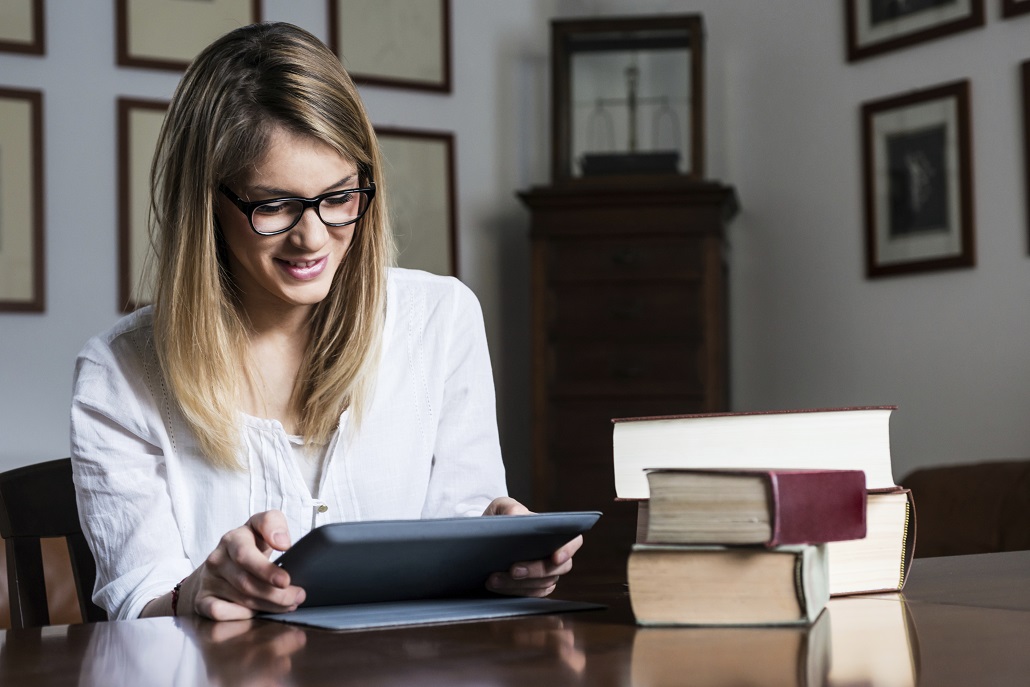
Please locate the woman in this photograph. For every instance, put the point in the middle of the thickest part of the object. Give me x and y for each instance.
(285, 377)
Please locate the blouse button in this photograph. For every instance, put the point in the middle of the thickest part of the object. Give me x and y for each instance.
(322, 508)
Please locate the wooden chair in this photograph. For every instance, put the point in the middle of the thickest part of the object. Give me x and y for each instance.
(38, 501)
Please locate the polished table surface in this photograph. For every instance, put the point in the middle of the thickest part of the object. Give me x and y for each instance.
(963, 620)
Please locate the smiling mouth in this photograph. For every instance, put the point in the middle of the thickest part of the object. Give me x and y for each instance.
(303, 269)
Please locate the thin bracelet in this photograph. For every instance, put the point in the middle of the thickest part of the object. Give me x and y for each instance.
(175, 597)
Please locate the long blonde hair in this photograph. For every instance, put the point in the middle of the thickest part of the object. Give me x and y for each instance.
(217, 128)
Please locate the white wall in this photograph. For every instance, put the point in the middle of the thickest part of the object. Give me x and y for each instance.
(807, 328)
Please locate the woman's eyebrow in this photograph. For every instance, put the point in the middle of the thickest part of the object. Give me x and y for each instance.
(346, 182)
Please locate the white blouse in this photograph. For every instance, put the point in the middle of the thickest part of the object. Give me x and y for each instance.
(153, 509)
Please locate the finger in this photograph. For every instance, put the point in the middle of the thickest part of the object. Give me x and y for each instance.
(538, 569)
(566, 552)
(271, 529)
(242, 553)
(535, 587)
(505, 505)
(275, 601)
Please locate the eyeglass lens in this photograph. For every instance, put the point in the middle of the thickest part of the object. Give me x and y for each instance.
(340, 208)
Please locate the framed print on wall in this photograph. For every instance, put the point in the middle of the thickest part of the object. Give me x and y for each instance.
(168, 34)
(1026, 142)
(139, 123)
(395, 43)
(917, 161)
(878, 26)
(22, 26)
(1012, 8)
(22, 279)
(421, 195)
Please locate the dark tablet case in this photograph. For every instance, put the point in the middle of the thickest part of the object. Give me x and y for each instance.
(397, 560)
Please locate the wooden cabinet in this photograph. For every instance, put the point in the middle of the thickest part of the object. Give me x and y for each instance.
(629, 318)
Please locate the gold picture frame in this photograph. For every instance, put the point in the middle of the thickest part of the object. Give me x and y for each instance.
(22, 249)
(393, 43)
(139, 122)
(168, 34)
(421, 196)
(23, 26)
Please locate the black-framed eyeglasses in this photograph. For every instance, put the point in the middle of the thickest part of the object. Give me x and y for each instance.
(277, 215)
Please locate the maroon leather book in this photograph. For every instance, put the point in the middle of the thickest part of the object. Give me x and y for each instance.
(773, 507)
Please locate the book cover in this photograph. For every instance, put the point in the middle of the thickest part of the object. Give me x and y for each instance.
(839, 438)
(694, 585)
(770, 507)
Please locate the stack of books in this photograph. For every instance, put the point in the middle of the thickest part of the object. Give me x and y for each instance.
(854, 438)
(741, 547)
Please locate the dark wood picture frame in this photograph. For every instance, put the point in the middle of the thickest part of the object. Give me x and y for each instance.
(1014, 8)
(34, 41)
(917, 26)
(25, 136)
(1025, 81)
(562, 32)
(168, 61)
(133, 201)
(918, 185)
(408, 175)
(386, 11)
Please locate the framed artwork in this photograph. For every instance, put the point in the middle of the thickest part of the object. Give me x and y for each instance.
(139, 123)
(1026, 141)
(395, 43)
(1012, 8)
(918, 181)
(878, 26)
(22, 26)
(22, 278)
(421, 195)
(168, 34)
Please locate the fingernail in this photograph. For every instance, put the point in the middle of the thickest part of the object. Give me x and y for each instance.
(562, 557)
(518, 572)
(281, 580)
(280, 540)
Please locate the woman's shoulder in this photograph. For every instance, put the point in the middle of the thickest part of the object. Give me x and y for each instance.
(133, 332)
(432, 289)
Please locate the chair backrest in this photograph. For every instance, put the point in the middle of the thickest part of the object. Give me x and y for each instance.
(38, 501)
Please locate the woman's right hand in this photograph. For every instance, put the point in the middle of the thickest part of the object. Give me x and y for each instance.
(237, 580)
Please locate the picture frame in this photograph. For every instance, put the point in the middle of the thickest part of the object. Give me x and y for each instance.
(393, 43)
(421, 193)
(139, 122)
(168, 34)
(23, 26)
(918, 187)
(1014, 8)
(22, 246)
(1025, 79)
(877, 26)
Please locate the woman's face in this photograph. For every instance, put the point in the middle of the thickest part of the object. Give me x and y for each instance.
(294, 269)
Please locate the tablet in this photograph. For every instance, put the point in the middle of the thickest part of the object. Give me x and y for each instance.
(395, 560)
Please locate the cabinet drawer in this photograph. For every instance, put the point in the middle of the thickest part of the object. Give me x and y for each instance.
(622, 258)
(613, 310)
(626, 367)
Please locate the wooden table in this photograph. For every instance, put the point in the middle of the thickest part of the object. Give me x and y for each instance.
(963, 620)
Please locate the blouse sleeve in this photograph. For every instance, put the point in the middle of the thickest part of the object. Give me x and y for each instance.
(117, 450)
(467, 470)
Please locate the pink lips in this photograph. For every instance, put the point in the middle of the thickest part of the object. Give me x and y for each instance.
(303, 270)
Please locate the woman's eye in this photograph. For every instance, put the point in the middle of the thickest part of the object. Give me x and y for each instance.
(272, 208)
(340, 200)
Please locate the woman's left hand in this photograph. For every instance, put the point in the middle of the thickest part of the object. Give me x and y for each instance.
(530, 578)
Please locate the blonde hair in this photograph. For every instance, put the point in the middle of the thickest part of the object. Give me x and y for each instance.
(218, 126)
